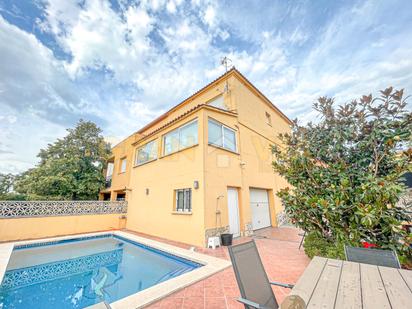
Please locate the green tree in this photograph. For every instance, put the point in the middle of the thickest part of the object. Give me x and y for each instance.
(345, 172)
(6, 183)
(71, 168)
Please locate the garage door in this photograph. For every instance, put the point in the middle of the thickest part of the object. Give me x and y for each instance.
(259, 204)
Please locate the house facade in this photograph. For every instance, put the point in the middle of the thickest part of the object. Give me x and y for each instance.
(203, 167)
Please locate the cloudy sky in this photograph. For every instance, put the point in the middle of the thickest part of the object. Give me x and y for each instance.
(121, 63)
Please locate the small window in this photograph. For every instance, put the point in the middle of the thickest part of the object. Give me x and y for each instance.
(218, 102)
(109, 171)
(184, 200)
(121, 197)
(146, 153)
(221, 136)
(180, 138)
(123, 163)
(268, 118)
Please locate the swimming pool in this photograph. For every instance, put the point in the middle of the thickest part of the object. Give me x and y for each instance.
(80, 272)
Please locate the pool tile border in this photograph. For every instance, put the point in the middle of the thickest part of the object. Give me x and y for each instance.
(211, 265)
(6, 248)
(148, 296)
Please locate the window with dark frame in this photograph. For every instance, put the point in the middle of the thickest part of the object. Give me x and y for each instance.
(121, 197)
(183, 200)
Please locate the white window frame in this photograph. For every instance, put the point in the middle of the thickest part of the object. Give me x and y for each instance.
(186, 208)
(179, 130)
(222, 126)
(141, 147)
(109, 170)
(124, 159)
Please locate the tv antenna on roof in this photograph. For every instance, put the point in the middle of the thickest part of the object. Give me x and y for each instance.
(226, 62)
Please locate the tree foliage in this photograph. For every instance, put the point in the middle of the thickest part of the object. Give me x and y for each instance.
(345, 170)
(70, 168)
(6, 183)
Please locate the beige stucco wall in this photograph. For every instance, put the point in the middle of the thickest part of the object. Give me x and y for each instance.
(222, 170)
(32, 228)
(153, 213)
(215, 169)
(251, 167)
(120, 181)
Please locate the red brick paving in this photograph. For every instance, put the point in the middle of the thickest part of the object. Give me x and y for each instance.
(283, 261)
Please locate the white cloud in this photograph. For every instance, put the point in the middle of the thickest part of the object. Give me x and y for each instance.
(128, 65)
(22, 134)
(31, 79)
(98, 37)
(210, 15)
(171, 7)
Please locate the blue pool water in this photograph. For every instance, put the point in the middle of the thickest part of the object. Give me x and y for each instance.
(81, 272)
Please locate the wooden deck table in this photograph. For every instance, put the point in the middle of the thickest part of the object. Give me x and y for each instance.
(328, 283)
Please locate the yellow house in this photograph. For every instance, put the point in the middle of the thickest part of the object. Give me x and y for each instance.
(119, 169)
(203, 167)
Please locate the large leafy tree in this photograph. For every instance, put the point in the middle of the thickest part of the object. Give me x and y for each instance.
(70, 168)
(6, 183)
(345, 171)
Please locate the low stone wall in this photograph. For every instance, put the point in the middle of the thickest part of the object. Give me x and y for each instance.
(38, 219)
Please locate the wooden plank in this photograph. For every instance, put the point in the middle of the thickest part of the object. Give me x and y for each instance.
(400, 296)
(373, 291)
(349, 291)
(307, 282)
(325, 292)
(407, 276)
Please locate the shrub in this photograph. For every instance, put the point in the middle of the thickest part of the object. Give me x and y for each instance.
(316, 245)
(345, 173)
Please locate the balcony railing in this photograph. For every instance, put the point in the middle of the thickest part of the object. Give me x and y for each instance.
(25, 209)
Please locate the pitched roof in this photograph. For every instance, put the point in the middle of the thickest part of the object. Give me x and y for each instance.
(232, 71)
(218, 79)
(181, 116)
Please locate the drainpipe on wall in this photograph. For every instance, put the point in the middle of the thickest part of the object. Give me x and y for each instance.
(217, 213)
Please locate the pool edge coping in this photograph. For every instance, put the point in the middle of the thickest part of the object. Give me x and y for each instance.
(5, 252)
(211, 265)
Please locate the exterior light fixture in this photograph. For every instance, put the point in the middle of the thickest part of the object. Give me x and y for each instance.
(147, 191)
(196, 184)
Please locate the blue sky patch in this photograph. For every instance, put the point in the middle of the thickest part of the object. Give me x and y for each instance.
(122, 63)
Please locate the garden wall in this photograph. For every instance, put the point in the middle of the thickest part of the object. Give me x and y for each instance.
(38, 219)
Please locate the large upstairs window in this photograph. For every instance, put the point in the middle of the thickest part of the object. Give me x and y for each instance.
(146, 153)
(221, 136)
(180, 138)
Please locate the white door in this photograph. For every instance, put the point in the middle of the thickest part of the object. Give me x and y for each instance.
(259, 204)
(233, 211)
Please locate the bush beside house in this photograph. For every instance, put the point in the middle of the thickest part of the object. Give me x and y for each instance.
(345, 174)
